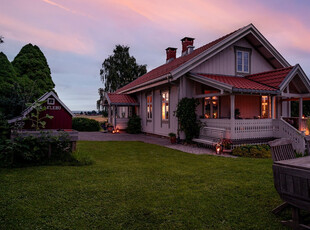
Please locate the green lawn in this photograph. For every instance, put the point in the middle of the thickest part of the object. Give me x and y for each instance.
(133, 185)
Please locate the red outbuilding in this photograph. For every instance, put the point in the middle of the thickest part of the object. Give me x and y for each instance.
(62, 116)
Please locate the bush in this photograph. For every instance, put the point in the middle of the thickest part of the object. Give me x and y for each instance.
(37, 150)
(134, 125)
(186, 114)
(85, 124)
(255, 151)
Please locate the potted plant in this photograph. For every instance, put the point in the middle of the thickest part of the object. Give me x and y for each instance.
(173, 138)
(110, 127)
(227, 144)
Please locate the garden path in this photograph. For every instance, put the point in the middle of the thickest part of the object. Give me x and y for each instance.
(100, 136)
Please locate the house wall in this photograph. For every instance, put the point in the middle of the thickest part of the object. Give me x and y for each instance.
(224, 62)
(249, 106)
(156, 125)
(224, 106)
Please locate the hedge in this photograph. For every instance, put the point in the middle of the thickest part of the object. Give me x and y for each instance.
(255, 151)
(85, 124)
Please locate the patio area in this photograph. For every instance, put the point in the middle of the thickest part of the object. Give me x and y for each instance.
(162, 141)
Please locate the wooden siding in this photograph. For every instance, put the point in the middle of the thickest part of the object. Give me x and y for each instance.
(248, 105)
(156, 125)
(62, 119)
(224, 107)
(224, 62)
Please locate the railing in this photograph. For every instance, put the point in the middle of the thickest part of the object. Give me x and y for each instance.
(285, 130)
(252, 129)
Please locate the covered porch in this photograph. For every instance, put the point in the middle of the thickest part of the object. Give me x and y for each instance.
(120, 108)
(247, 112)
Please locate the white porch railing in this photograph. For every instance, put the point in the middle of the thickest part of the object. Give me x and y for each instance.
(254, 129)
(285, 130)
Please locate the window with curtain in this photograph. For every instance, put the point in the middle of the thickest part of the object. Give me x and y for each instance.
(211, 107)
(149, 107)
(165, 106)
(243, 61)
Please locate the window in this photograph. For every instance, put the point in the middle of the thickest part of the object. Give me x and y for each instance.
(51, 101)
(211, 107)
(265, 107)
(242, 61)
(165, 106)
(149, 107)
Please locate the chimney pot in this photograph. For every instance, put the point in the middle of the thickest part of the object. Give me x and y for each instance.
(171, 54)
(186, 41)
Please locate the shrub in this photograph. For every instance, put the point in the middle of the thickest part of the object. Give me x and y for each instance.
(186, 114)
(134, 125)
(37, 150)
(85, 124)
(255, 151)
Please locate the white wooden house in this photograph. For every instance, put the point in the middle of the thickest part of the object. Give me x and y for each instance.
(240, 71)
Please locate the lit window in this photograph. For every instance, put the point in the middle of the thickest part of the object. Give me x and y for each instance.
(242, 61)
(149, 107)
(165, 106)
(211, 107)
(265, 107)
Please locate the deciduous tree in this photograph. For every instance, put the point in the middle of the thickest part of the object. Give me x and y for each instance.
(120, 69)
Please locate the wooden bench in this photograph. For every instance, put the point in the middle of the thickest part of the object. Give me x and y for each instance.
(210, 135)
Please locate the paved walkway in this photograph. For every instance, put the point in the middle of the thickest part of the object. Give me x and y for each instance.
(99, 136)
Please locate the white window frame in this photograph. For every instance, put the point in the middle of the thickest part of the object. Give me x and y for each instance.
(50, 101)
(149, 107)
(243, 52)
(165, 106)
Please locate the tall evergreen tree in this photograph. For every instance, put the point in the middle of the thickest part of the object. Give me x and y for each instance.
(7, 81)
(120, 69)
(33, 71)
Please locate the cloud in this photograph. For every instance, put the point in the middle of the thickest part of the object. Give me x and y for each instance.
(67, 9)
(21, 31)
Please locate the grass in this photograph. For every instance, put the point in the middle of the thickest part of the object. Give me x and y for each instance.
(133, 185)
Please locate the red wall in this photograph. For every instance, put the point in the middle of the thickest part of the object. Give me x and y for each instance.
(249, 106)
(62, 119)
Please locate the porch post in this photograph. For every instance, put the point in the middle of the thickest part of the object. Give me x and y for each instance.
(109, 114)
(273, 107)
(300, 113)
(232, 116)
(232, 107)
(115, 108)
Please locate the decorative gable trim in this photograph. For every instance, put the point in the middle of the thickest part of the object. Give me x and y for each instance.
(230, 40)
(296, 70)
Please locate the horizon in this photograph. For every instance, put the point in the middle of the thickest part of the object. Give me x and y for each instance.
(77, 36)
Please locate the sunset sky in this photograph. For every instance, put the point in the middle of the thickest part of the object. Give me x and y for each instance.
(77, 35)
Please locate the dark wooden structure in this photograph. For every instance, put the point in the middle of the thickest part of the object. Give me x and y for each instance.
(292, 182)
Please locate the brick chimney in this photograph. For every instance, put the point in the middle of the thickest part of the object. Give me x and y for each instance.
(187, 41)
(171, 54)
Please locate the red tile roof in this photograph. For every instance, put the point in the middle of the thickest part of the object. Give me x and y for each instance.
(271, 78)
(239, 82)
(121, 99)
(168, 67)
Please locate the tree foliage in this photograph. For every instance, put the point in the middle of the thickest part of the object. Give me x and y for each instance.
(32, 69)
(187, 118)
(120, 69)
(1, 39)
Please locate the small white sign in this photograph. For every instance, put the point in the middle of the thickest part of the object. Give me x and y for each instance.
(53, 107)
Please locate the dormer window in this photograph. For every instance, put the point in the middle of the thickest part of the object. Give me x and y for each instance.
(242, 60)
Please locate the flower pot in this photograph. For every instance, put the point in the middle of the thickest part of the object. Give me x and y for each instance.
(110, 128)
(173, 140)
